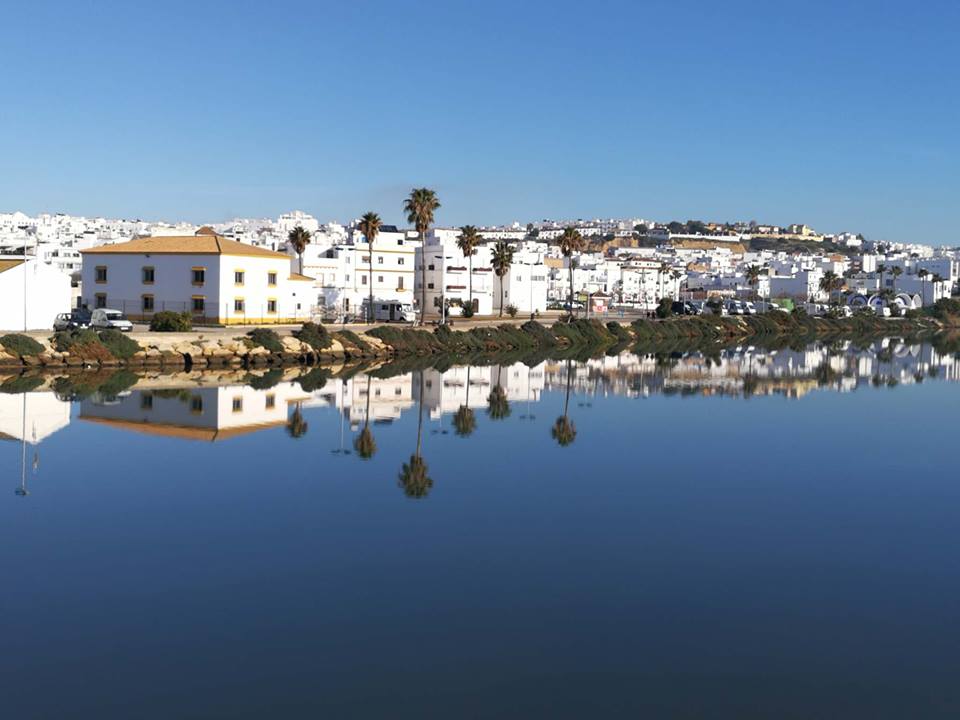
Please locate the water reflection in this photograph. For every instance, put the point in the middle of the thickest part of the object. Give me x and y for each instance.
(216, 407)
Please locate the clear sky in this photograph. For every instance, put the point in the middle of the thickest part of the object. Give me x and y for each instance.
(843, 115)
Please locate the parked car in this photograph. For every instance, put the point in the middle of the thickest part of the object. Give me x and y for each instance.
(78, 319)
(105, 319)
(685, 308)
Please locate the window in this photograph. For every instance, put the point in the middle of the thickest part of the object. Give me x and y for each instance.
(196, 404)
(148, 275)
(379, 259)
(400, 283)
(146, 401)
(238, 404)
(429, 286)
(272, 305)
(199, 275)
(270, 401)
(400, 261)
(363, 279)
(239, 305)
(238, 277)
(101, 274)
(365, 258)
(380, 279)
(100, 300)
(198, 304)
(271, 278)
(146, 303)
(430, 267)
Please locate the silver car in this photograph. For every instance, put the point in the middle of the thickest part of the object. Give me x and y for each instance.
(105, 319)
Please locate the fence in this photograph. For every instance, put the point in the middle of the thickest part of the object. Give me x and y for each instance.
(211, 314)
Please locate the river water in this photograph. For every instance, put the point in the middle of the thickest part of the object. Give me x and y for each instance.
(749, 534)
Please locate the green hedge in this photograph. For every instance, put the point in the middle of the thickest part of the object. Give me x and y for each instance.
(314, 335)
(169, 321)
(17, 344)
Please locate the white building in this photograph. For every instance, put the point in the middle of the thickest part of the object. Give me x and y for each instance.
(32, 294)
(218, 281)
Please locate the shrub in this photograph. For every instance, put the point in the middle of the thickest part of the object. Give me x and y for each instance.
(169, 321)
(467, 311)
(348, 337)
(511, 310)
(265, 338)
(118, 344)
(20, 384)
(665, 308)
(314, 380)
(314, 335)
(16, 344)
(266, 381)
(83, 344)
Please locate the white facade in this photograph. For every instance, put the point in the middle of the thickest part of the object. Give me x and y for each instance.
(32, 294)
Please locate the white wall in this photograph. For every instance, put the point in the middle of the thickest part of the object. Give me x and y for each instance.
(48, 294)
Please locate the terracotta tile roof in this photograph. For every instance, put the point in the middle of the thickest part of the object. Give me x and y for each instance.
(184, 245)
(298, 276)
(9, 264)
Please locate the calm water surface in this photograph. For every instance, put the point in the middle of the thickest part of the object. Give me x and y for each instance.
(750, 535)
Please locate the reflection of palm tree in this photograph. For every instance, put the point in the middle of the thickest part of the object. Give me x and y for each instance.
(364, 444)
(498, 408)
(464, 420)
(296, 425)
(414, 478)
(563, 430)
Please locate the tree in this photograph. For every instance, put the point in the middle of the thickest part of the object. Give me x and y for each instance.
(364, 444)
(563, 430)
(296, 425)
(664, 270)
(830, 282)
(467, 241)
(881, 269)
(414, 476)
(298, 238)
(570, 242)
(753, 278)
(897, 271)
(370, 227)
(501, 261)
(420, 208)
(640, 229)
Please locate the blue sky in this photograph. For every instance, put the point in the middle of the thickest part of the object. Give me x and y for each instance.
(843, 115)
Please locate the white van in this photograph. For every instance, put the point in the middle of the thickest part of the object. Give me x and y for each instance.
(105, 319)
(390, 311)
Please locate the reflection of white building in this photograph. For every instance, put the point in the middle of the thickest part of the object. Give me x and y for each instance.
(199, 413)
(32, 416)
(444, 393)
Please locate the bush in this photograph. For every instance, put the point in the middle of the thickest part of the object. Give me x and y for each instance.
(83, 344)
(265, 338)
(511, 310)
(467, 311)
(266, 381)
(314, 335)
(348, 337)
(20, 384)
(118, 344)
(169, 321)
(16, 344)
(665, 308)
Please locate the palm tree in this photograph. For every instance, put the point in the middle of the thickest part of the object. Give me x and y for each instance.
(464, 420)
(298, 240)
(676, 275)
(364, 444)
(922, 273)
(570, 242)
(830, 282)
(296, 425)
(881, 268)
(420, 208)
(897, 271)
(414, 477)
(563, 430)
(467, 241)
(753, 278)
(370, 227)
(664, 270)
(501, 261)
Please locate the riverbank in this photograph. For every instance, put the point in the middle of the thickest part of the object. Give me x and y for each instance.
(316, 345)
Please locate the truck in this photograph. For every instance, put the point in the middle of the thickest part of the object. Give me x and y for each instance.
(390, 311)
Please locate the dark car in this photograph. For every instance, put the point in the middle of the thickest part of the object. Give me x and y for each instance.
(684, 308)
(78, 319)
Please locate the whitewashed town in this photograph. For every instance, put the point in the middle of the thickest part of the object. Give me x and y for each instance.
(295, 267)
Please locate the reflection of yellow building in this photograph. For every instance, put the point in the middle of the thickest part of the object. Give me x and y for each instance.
(202, 413)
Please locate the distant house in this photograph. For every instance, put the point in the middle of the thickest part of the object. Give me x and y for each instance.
(218, 281)
(35, 306)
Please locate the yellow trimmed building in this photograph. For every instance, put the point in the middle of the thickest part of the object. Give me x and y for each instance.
(217, 280)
